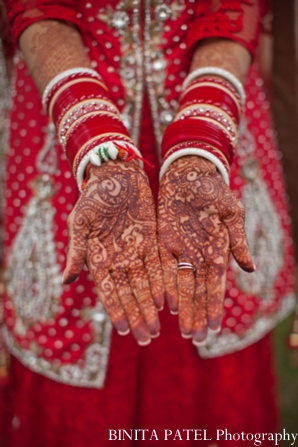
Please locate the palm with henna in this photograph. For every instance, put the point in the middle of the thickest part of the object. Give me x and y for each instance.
(200, 221)
(113, 228)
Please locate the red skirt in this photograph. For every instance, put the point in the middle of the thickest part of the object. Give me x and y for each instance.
(175, 390)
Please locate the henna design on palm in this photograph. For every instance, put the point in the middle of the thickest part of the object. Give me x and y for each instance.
(200, 221)
(113, 228)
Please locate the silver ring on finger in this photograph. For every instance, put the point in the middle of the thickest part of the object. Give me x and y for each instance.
(186, 265)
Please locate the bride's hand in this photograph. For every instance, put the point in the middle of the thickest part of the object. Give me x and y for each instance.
(113, 229)
(200, 221)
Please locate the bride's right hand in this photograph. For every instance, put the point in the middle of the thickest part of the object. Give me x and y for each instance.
(113, 228)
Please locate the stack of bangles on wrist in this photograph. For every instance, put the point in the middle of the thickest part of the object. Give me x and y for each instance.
(207, 120)
(88, 124)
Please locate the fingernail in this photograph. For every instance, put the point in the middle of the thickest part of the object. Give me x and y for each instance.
(174, 312)
(124, 332)
(255, 268)
(186, 335)
(144, 343)
(62, 278)
(199, 343)
(71, 277)
(160, 309)
(215, 331)
(155, 335)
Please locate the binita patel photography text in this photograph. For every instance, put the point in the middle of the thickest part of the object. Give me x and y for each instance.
(200, 434)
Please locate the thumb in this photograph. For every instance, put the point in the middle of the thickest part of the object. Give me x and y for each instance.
(78, 233)
(238, 240)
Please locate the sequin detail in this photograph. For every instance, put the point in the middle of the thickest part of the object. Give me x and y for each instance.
(33, 274)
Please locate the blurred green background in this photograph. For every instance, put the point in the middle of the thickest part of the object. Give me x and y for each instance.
(287, 367)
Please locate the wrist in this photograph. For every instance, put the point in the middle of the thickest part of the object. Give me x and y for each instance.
(207, 120)
(201, 154)
(88, 124)
(195, 160)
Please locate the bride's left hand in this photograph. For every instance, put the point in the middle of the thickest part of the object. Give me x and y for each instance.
(200, 221)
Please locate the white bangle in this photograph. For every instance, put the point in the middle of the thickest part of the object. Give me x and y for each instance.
(92, 157)
(64, 74)
(201, 153)
(220, 72)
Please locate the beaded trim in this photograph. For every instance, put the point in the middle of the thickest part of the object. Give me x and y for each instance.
(218, 86)
(66, 86)
(220, 72)
(65, 74)
(82, 109)
(83, 119)
(208, 111)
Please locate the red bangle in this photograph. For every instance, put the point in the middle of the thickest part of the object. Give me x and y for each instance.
(81, 123)
(67, 79)
(78, 92)
(191, 129)
(76, 101)
(216, 81)
(211, 95)
(209, 112)
(88, 129)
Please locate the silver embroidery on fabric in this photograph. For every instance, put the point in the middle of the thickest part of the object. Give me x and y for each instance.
(33, 274)
(228, 343)
(143, 63)
(127, 23)
(93, 372)
(262, 224)
(5, 95)
(155, 64)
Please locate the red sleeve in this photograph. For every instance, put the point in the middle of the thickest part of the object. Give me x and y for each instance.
(22, 13)
(238, 20)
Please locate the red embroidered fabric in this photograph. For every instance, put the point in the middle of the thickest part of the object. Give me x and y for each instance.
(22, 13)
(230, 19)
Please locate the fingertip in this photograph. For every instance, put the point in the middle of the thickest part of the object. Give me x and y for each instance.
(154, 326)
(199, 343)
(155, 335)
(171, 300)
(121, 325)
(69, 278)
(186, 336)
(122, 333)
(249, 268)
(199, 335)
(144, 343)
(159, 301)
(245, 262)
(214, 324)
